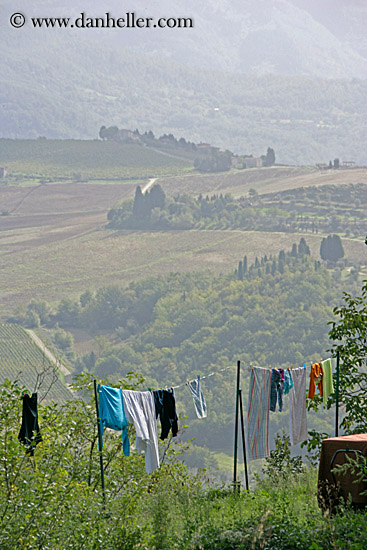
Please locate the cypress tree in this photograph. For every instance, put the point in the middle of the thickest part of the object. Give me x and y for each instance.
(157, 197)
(245, 264)
(331, 248)
(303, 249)
(139, 204)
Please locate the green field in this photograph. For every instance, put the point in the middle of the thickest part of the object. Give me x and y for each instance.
(21, 359)
(88, 160)
(65, 268)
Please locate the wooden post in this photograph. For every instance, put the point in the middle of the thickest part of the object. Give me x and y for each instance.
(235, 484)
(337, 395)
(243, 440)
(100, 444)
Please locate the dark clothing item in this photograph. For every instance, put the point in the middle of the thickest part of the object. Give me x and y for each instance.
(165, 408)
(30, 433)
(276, 390)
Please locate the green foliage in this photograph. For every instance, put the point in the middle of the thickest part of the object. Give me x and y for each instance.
(63, 339)
(314, 442)
(54, 499)
(331, 248)
(348, 333)
(280, 465)
(302, 209)
(267, 265)
(270, 157)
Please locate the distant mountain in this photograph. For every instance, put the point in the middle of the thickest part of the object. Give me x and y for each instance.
(346, 19)
(63, 83)
(288, 37)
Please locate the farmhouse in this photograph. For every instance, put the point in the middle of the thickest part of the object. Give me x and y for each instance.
(127, 135)
(252, 162)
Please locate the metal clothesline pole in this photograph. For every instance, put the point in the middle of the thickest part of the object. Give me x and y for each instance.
(243, 440)
(235, 484)
(337, 395)
(100, 444)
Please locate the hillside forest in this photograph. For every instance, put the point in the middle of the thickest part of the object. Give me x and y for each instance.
(168, 329)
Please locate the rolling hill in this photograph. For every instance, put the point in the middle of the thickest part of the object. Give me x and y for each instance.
(54, 243)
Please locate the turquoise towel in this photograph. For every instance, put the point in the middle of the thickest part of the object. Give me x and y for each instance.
(112, 414)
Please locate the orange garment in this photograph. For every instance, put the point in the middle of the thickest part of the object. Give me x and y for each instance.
(315, 378)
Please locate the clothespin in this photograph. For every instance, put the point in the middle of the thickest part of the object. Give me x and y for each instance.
(291, 367)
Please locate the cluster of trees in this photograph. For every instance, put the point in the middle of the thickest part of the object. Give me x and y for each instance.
(185, 212)
(223, 211)
(270, 265)
(326, 209)
(113, 133)
(140, 213)
(144, 204)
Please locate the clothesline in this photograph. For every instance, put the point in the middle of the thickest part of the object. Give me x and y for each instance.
(202, 377)
(226, 368)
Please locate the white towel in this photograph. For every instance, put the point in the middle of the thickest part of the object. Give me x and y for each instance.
(297, 407)
(140, 410)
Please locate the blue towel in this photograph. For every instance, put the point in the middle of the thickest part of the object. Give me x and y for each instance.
(112, 414)
(288, 382)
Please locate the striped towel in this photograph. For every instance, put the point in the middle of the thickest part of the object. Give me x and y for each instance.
(297, 407)
(258, 412)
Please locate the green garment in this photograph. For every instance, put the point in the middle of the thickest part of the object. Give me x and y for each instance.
(327, 380)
